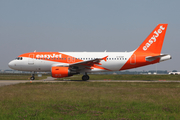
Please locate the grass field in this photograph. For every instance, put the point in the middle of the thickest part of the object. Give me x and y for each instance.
(90, 100)
(126, 77)
(20, 77)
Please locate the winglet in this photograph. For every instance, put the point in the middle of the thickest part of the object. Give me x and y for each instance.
(105, 58)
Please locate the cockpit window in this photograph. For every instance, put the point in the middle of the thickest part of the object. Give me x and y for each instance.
(19, 58)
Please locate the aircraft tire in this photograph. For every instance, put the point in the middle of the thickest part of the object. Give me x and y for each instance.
(85, 77)
(32, 78)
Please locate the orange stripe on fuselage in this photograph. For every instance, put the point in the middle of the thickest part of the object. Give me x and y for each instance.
(52, 56)
(140, 60)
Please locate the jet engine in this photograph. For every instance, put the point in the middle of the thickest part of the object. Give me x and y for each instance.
(60, 72)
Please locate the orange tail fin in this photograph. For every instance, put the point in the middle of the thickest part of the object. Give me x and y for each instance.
(153, 43)
(149, 52)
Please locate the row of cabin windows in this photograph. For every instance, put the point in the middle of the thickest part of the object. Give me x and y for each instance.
(79, 58)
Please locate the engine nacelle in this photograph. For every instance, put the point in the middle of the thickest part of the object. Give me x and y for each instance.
(60, 72)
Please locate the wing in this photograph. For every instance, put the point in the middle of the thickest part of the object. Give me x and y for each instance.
(78, 66)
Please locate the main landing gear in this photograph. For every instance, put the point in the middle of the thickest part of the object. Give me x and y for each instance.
(85, 77)
(32, 77)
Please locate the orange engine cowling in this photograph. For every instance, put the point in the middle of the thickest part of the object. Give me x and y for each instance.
(59, 72)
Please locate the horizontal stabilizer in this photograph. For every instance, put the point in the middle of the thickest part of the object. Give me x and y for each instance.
(162, 57)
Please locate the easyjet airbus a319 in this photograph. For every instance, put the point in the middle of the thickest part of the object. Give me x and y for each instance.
(64, 64)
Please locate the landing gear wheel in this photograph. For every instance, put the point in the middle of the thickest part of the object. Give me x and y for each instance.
(32, 78)
(85, 77)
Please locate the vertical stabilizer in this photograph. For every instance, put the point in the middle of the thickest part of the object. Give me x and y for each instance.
(153, 43)
(149, 52)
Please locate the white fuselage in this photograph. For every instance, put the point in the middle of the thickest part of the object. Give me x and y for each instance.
(115, 61)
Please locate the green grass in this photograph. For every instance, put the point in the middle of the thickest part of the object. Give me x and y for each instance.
(126, 77)
(20, 77)
(90, 101)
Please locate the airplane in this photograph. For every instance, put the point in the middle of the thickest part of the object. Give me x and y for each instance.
(65, 64)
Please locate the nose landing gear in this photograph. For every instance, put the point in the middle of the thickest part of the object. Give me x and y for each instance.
(32, 77)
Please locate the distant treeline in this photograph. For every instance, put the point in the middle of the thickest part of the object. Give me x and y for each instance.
(136, 72)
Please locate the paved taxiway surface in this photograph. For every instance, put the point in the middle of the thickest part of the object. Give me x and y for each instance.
(50, 79)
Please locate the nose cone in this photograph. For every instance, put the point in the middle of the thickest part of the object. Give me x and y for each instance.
(11, 65)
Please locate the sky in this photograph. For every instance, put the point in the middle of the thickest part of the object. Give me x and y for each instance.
(87, 25)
